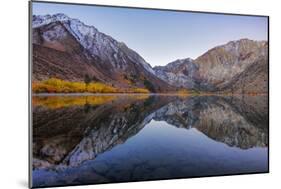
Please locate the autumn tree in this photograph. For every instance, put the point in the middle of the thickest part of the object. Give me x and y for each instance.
(87, 80)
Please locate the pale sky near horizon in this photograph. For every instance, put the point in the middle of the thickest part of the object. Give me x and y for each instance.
(161, 37)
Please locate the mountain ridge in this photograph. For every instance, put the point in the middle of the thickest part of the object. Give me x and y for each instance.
(216, 69)
(118, 64)
(85, 50)
(82, 31)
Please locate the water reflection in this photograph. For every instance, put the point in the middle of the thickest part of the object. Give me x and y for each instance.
(97, 139)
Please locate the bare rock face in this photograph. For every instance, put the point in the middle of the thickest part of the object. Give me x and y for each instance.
(180, 73)
(220, 64)
(253, 80)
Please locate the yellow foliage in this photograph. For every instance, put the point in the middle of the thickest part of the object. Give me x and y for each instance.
(55, 102)
(100, 88)
(54, 85)
(140, 90)
(134, 90)
(185, 92)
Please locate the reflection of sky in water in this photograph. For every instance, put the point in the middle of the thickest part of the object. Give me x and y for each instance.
(161, 150)
(187, 151)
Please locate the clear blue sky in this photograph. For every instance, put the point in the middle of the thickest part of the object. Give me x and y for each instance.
(163, 36)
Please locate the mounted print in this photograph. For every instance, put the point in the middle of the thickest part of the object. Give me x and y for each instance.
(120, 94)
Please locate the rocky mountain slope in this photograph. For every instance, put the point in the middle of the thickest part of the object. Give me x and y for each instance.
(179, 73)
(220, 65)
(254, 79)
(238, 66)
(66, 48)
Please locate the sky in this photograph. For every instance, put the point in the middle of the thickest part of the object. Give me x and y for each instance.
(159, 36)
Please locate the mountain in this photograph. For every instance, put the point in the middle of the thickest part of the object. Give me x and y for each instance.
(238, 66)
(254, 79)
(68, 49)
(179, 73)
(220, 65)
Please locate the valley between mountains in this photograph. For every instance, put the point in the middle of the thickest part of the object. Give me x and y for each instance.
(71, 57)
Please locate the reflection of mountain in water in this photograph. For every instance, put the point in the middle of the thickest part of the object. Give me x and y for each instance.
(67, 136)
(72, 134)
(225, 119)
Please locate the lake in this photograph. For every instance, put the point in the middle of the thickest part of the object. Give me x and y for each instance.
(120, 138)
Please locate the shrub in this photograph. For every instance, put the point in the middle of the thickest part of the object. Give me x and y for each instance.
(54, 85)
(100, 88)
(140, 90)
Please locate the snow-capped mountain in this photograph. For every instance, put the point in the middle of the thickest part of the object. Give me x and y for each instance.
(109, 57)
(97, 43)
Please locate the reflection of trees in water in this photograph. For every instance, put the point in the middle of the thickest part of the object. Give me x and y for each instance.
(76, 133)
(69, 135)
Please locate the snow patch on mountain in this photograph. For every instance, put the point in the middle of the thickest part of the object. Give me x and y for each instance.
(97, 43)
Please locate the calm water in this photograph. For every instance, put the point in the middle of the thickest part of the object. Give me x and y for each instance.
(100, 139)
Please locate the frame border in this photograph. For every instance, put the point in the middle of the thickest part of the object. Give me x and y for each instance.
(30, 66)
(146, 8)
(30, 118)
